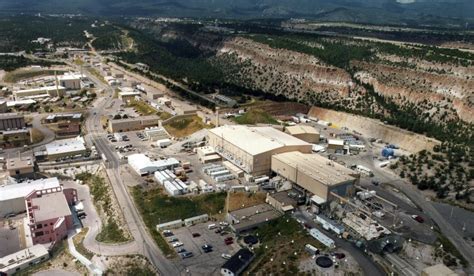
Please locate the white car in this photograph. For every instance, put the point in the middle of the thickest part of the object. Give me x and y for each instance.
(177, 244)
(226, 256)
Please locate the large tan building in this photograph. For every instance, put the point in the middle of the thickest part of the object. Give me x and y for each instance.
(315, 174)
(251, 148)
(70, 81)
(132, 124)
(305, 133)
(20, 166)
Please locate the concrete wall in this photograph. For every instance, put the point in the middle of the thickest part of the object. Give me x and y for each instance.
(308, 137)
(66, 154)
(16, 205)
(407, 140)
(131, 125)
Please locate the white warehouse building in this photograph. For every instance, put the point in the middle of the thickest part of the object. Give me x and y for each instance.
(143, 165)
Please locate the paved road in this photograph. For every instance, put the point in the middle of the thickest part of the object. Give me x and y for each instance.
(368, 266)
(93, 222)
(429, 210)
(143, 239)
(86, 262)
(426, 208)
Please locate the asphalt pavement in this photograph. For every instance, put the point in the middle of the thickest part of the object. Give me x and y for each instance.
(142, 237)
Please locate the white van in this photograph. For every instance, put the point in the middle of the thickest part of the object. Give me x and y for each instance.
(211, 226)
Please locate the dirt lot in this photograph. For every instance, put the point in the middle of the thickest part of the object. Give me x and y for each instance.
(182, 127)
(239, 200)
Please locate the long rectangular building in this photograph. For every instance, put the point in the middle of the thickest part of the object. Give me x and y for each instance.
(47, 91)
(132, 124)
(12, 121)
(315, 174)
(251, 148)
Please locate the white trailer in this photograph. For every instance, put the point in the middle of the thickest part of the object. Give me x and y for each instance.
(163, 143)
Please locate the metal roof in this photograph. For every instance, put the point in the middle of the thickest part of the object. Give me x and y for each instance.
(316, 167)
(301, 129)
(256, 140)
(66, 145)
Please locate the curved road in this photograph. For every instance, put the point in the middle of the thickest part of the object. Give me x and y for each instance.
(429, 210)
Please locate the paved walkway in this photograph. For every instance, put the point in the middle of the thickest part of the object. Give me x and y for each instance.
(86, 262)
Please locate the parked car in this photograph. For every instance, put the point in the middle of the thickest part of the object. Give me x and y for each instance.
(9, 215)
(418, 218)
(207, 248)
(168, 233)
(196, 235)
(173, 239)
(229, 242)
(185, 255)
(229, 239)
(177, 244)
(181, 250)
(226, 256)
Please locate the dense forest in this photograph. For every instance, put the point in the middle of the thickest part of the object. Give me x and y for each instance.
(10, 63)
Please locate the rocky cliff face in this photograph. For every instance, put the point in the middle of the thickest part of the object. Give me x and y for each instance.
(439, 91)
(283, 72)
(440, 96)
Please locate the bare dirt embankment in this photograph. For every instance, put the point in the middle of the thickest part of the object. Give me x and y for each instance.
(406, 140)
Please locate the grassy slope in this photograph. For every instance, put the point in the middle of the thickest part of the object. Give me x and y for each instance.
(255, 116)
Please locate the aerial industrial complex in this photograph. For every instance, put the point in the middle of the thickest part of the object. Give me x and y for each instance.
(104, 160)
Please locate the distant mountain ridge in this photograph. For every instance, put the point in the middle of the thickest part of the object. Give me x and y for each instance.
(349, 10)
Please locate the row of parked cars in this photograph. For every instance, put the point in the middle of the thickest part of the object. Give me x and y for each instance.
(179, 246)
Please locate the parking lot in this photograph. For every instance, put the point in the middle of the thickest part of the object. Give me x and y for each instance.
(204, 263)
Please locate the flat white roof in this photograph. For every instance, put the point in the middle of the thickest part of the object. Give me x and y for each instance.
(338, 142)
(46, 210)
(21, 102)
(129, 93)
(66, 145)
(70, 77)
(256, 140)
(45, 88)
(140, 161)
(21, 190)
(23, 256)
